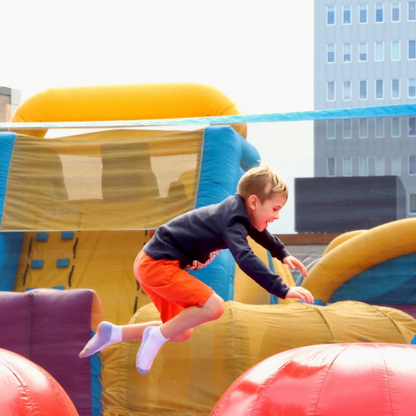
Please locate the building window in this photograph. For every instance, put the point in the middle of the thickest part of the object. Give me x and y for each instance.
(379, 127)
(362, 52)
(346, 90)
(396, 165)
(379, 95)
(330, 166)
(346, 52)
(363, 168)
(379, 51)
(330, 129)
(412, 203)
(412, 165)
(347, 166)
(330, 53)
(412, 49)
(412, 126)
(411, 87)
(379, 165)
(411, 11)
(362, 13)
(330, 15)
(395, 50)
(330, 91)
(346, 15)
(395, 127)
(346, 128)
(395, 88)
(395, 12)
(362, 93)
(379, 13)
(363, 128)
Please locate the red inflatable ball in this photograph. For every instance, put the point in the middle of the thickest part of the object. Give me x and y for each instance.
(363, 379)
(26, 389)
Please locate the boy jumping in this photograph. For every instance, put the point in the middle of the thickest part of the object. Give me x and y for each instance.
(191, 241)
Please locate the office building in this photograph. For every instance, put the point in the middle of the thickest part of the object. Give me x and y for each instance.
(9, 100)
(365, 56)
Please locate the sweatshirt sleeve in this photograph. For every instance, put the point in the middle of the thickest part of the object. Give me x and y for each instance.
(235, 236)
(269, 242)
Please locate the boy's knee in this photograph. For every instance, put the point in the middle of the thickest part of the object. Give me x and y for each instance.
(215, 306)
(221, 307)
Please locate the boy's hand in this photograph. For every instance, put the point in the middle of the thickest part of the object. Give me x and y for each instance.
(300, 293)
(293, 261)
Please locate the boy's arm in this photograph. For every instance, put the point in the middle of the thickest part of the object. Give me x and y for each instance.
(292, 262)
(235, 236)
(270, 242)
(277, 249)
(236, 239)
(299, 292)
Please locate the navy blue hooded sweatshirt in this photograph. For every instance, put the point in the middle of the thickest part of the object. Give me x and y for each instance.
(196, 237)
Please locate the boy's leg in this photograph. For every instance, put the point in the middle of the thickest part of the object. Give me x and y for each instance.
(182, 300)
(135, 331)
(152, 341)
(108, 333)
(190, 317)
(194, 316)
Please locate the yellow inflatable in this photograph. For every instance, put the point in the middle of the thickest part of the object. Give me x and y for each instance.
(89, 235)
(340, 239)
(189, 378)
(126, 102)
(358, 253)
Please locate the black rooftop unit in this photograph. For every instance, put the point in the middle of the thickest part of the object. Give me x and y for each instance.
(341, 204)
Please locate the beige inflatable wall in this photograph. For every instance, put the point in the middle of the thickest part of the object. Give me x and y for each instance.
(189, 378)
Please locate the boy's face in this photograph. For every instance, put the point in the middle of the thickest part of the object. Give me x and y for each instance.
(262, 214)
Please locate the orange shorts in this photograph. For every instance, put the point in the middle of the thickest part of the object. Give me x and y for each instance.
(169, 287)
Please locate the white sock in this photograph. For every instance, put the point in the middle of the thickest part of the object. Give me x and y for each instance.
(151, 344)
(107, 334)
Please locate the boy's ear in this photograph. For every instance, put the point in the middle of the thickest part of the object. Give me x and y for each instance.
(253, 201)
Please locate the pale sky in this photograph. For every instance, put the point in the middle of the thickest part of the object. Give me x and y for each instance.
(259, 53)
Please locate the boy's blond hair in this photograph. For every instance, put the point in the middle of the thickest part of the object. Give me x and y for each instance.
(255, 181)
